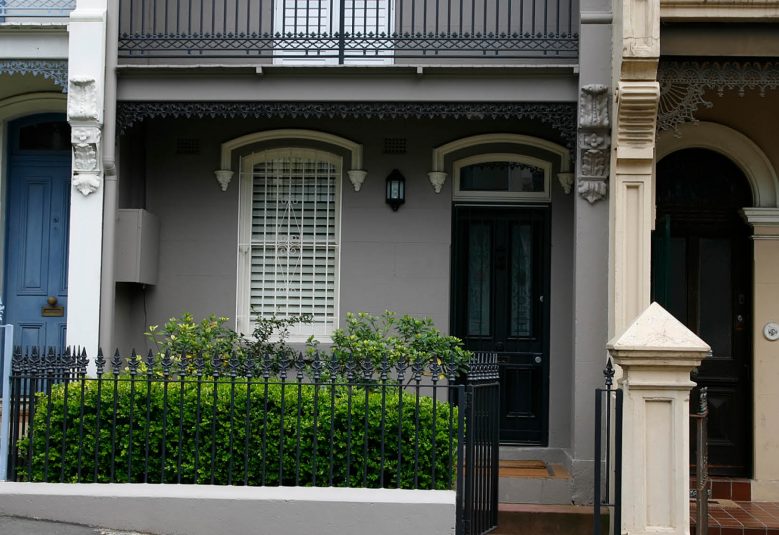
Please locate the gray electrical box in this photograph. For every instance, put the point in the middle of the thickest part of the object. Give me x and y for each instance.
(137, 246)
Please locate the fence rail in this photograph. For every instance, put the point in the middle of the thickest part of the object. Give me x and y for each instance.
(271, 420)
(702, 491)
(608, 453)
(344, 31)
(35, 8)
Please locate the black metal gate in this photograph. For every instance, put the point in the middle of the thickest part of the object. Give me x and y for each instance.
(608, 453)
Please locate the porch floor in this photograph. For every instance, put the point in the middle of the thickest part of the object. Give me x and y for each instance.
(728, 517)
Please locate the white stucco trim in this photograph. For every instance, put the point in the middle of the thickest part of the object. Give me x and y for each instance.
(440, 153)
(730, 143)
(12, 108)
(437, 174)
(356, 173)
(540, 196)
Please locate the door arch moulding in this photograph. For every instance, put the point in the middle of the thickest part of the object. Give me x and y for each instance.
(744, 152)
(356, 174)
(438, 174)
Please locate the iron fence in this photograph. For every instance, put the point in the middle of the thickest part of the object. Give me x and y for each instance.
(608, 454)
(702, 491)
(344, 31)
(23, 9)
(271, 420)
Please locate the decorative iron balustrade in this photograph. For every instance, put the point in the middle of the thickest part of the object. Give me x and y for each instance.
(271, 420)
(349, 31)
(35, 8)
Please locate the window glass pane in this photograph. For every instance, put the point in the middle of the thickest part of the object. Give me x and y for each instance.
(716, 313)
(521, 280)
(479, 245)
(53, 135)
(294, 246)
(502, 176)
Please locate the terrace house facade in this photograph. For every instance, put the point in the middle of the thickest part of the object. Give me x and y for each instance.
(447, 159)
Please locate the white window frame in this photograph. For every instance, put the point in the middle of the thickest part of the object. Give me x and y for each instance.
(244, 320)
(526, 196)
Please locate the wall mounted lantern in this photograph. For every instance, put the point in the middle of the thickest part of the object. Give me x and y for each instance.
(396, 189)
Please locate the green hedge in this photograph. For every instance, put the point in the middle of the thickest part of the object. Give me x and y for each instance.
(420, 428)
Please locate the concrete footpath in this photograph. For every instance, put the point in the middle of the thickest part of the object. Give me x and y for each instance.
(10, 525)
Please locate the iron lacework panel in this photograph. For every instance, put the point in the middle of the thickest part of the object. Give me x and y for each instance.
(350, 31)
(560, 116)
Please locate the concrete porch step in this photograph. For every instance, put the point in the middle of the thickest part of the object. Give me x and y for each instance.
(532, 519)
(533, 481)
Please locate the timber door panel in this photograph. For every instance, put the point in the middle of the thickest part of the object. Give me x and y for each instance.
(499, 280)
(37, 232)
(701, 273)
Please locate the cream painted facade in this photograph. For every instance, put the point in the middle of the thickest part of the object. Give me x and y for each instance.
(692, 106)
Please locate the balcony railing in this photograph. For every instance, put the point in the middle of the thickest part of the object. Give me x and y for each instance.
(349, 31)
(30, 9)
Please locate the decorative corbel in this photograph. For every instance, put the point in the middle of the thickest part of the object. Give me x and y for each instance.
(82, 99)
(357, 177)
(223, 176)
(594, 143)
(437, 180)
(566, 181)
(86, 163)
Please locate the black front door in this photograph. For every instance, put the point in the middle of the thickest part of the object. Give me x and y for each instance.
(701, 273)
(499, 303)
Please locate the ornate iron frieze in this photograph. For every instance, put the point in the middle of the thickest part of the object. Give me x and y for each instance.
(683, 85)
(559, 116)
(54, 70)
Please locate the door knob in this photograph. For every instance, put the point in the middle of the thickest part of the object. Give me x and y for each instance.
(499, 346)
(52, 300)
(537, 359)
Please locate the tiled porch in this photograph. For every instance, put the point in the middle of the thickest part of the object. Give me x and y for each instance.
(728, 517)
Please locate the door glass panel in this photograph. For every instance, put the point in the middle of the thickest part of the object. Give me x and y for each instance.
(716, 314)
(521, 280)
(502, 176)
(53, 135)
(479, 261)
(677, 280)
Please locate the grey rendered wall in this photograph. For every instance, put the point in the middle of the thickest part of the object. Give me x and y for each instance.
(389, 260)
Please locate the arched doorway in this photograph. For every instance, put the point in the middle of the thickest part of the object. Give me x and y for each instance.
(37, 222)
(701, 273)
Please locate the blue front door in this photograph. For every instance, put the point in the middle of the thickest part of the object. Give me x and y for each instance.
(36, 260)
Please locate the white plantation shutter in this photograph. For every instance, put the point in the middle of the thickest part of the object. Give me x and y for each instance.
(294, 237)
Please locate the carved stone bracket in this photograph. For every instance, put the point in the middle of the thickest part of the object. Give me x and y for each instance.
(560, 117)
(437, 179)
(357, 177)
(594, 143)
(223, 176)
(683, 85)
(82, 100)
(86, 164)
(54, 70)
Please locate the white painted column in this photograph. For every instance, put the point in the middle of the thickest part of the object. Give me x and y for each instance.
(86, 75)
(765, 225)
(657, 354)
